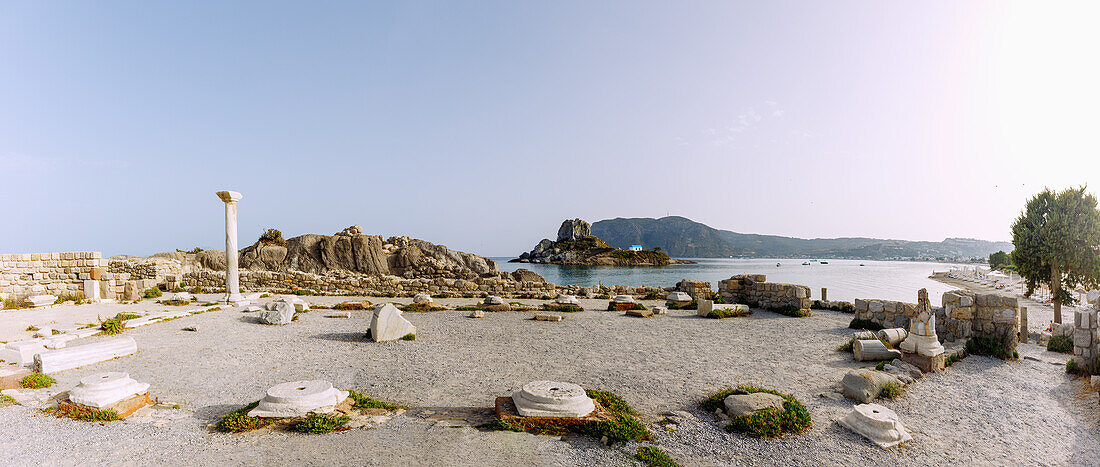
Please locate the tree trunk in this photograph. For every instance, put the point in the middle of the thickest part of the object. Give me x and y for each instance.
(1055, 289)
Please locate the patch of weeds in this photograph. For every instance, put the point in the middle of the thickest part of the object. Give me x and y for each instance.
(33, 328)
(420, 307)
(126, 316)
(364, 402)
(620, 429)
(303, 292)
(603, 296)
(881, 365)
(790, 310)
(845, 347)
(610, 401)
(409, 337)
(692, 305)
(891, 391)
(652, 296)
(84, 414)
(866, 324)
(153, 293)
(1061, 344)
(177, 290)
(564, 308)
(265, 295)
(6, 400)
(37, 381)
(321, 423)
(112, 326)
(502, 425)
(768, 423)
(238, 420)
(950, 360)
(720, 313)
(653, 456)
(988, 347)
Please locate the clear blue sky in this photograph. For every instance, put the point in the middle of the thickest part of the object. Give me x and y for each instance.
(481, 125)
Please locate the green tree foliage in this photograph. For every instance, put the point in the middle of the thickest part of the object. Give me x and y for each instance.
(999, 260)
(1057, 240)
(272, 237)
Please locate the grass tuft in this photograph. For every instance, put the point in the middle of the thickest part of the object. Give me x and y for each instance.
(238, 420)
(653, 456)
(153, 293)
(37, 381)
(321, 423)
(768, 423)
(83, 414)
(409, 337)
(364, 402)
(891, 391)
(721, 313)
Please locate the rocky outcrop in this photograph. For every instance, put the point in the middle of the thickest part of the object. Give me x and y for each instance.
(574, 229)
(576, 245)
(522, 275)
(352, 251)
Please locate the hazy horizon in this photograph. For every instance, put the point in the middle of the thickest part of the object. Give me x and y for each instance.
(483, 126)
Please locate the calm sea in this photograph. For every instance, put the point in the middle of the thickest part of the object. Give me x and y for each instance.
(845, 279)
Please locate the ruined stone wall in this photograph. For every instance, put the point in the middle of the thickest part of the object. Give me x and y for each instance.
(368, 285)
(963, 315)
(1084, 337)
(755, 291)
(699, 290)
(146, 269)
(59, 274)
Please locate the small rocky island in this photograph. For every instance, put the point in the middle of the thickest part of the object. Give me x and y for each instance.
(577, 245)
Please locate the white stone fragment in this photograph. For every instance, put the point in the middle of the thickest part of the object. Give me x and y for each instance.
(253, 296)
(299, 304)
(678, 297)
(278, 313)
(624, 299)
(548, 317)
(387, 324)
(493, 300)
(877, 423)
(704, 308)
(52, 361)
(563, 299)
(106, 389)
(422, 298)
(39, 301)
(85, 332)
(893, 335)
(174, 297)
(552, 399)
(872, 351)
(298, 398)
(22, 352)
(477, 314)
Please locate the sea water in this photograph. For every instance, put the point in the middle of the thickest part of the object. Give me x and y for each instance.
(846, 279)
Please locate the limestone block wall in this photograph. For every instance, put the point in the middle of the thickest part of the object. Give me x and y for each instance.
(61, 273)
(699, 290)
(963, 315)
(367, 285)
(1085, 336)
(156, 268)
(755, 291)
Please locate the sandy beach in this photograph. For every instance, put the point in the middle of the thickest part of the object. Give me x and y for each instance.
(457, 365)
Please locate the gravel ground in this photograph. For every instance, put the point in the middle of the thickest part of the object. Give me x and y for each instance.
(980, 411)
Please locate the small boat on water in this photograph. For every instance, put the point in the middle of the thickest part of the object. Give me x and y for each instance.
(776, 264)
(861, 265)
(824, 262)
(805, 263)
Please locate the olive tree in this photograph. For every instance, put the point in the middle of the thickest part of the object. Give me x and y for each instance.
(1057, 240)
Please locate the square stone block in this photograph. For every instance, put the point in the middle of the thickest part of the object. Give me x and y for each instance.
(124, 408)
(926, 364)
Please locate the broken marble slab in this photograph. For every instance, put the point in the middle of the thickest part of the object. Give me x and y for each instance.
(563, 299)
(387, 324)
(298, 398)
(548, 317)
(22, 352)
(52, 361)
(39, 301)
(106, 389)
(876, 423)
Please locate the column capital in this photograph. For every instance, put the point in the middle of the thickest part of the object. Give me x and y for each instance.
(229, 196)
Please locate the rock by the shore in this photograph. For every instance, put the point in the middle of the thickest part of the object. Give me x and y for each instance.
(577, 245)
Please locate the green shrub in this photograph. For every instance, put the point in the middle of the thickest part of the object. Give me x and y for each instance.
(950, 360)
(409, 337)
(720, 313)
(891, 391)
(653, 456)
(632, 306)
(843, 307)
(238, 420)
(620, 429)
(610, 401)
(768, 423)
(563, 308)
(603, 296)
(989, 347)
(881, 366)
(866, 324)
(845, 347)
(364, 402)
(790, 310)
(153, 293)
(1062, 344)
(112, 326)
(420, 307)
(84, 414)
(502, 425)
(37, 381)
(321, 423)
(6, 400)
(652, 296)
(301, 292)
(692, 305)
(272, 237)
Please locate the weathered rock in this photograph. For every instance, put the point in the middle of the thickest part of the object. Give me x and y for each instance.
(573, 229)
(877, 423)
(738, 405)
(864, 385)
(552, 399)
(659, 310)
(679, 297)
(477, 314)
(278, 313)
(388, 325)
(704, 308)
(492, 300)
(106, 389)
(567, 300)
(523, 275)
(640, 313)
(623, 299)
(548, 317)
(298, 398)
(422, 298)
(872, 351)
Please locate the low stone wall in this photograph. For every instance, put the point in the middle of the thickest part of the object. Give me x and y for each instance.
(368, 285)
(59, 274)
(963, 315)
(156, 268)
(1085, 336)
(755, 291)
(699, 290)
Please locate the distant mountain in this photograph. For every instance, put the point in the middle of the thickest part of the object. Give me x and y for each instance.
(684, 238)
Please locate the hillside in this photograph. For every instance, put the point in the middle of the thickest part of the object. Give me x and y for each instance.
(682, 237)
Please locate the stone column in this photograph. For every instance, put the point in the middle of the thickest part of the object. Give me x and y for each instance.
(232, 275)
(824, 294)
